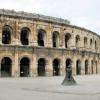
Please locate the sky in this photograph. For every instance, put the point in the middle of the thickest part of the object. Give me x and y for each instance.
(83, 13)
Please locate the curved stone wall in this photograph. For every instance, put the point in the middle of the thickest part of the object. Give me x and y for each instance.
(38, 45)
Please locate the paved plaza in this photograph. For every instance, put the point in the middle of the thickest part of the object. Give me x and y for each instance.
(50, 88)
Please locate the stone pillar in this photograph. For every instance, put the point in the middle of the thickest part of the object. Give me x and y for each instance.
(35, 34)
(31, 70)
(61, 38)
(83, 66)
(98, 66)
(89, 66)
(74, 66)
(15, 65)
(62, 67)
(15, 38)
(81, 43)
(31, 35)
(49, 68)
(94, 69)
(13, 69)
(49, 37)
(71, 42)
(34, 66)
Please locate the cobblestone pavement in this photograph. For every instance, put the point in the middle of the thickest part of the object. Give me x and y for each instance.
(50, 88)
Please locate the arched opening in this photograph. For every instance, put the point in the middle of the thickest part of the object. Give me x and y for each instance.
(85, 41)
(91, 42)
(41, 37)
(96, 67)
(92, 66)
(24, 36)
(24, 67)
(95, 44)
(86, 66)
(55, 39)
(77, 39)
(78, 67)
(6, 67)
(6, 35)
(56, 67)
(41, 67)
(67, 37)
(68, 63)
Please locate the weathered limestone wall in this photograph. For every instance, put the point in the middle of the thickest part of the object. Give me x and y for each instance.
(16, 51)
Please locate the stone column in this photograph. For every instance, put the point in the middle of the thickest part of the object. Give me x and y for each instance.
(71, 42)
(83, 66)
(89, 66)
(34, 66)
(81, 43)
(62, 67)
(94, 69)
(31, 69)
(98, 66)
(61, 38)
(35, 35)
(49, 68)
(15, 36)
(74, 66)
(31, 35)
(15, 65)
(49, 36)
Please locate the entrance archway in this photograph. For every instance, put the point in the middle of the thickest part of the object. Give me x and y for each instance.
(55, 39)
(6, 35)
(86, 66)
(6, 67)
(56, 67)
(67, 38)
(24, 36)
(96, 66)
(41, 37)
(24, 67)
(77, 40)
(41, 67)
(92, 66)
(78, 67)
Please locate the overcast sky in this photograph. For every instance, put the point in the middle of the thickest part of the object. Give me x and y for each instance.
(84, 13)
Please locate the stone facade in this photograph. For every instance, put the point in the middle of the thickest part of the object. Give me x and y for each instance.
(37, 45)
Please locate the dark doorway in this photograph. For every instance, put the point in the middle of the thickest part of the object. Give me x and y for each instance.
(86, 66)
(41, 67)
(92, 66)
(56, 67)
(67, 37)
(55, 39)
(6, 67)
(77, 40)
(24, 67)
(78, 67)
(6, 35)
(24, 36)
(85, 41)
(96, 66)
(41, 37)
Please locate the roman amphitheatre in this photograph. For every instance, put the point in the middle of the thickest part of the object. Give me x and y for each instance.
(33, 45)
